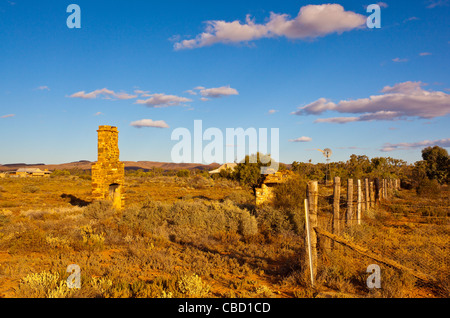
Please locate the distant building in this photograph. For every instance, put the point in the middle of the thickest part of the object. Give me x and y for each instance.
(30, 172)
(224, 167)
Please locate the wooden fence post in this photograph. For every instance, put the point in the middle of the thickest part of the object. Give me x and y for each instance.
(372, 194)
(349, 201)
(377, 190)
(313, 197)
(359, 206)
(308, 243)
(366, 192)
(336, 205)
(385, 189)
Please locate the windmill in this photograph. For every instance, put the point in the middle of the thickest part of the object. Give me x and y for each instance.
(327, 154)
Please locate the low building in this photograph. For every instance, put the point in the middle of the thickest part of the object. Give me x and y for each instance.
(31, 172)
(224, 168)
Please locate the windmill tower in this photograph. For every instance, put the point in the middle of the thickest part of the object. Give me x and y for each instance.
(327, 154)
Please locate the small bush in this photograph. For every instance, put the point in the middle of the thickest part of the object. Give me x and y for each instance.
(41, 285)
(183, 173)
(428, 188)
(30, 189)
(90, 238)
(99, 210)
(193, 286)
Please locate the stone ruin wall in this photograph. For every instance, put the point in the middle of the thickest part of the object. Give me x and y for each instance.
(265, 193)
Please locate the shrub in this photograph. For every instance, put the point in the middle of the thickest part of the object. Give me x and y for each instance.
(30, 189)
(200, 182)
(99, 210)
(428, 188)
(188, 217)
(183, 173)
(291, 194)
(90, 238)
(193, 286)
(40, 285)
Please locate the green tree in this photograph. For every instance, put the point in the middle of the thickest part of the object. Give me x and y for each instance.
(248, 172)
(437, 163)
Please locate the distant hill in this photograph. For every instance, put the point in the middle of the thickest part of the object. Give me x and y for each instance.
(129, 165)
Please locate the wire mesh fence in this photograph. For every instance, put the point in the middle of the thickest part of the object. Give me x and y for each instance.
(414, 235)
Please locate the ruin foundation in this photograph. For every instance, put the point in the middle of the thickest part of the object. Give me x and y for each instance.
(265, 193)
(108, 173)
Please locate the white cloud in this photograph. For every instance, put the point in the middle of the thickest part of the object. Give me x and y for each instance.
(163, 100)
(141, 92)
(425, 54)
(401, 101)
(437, 3)
(421, 144)
(272, 111)
(312, 21)
(399, 60)
(105, 93)
(43, 88)
(218, 92)
(149, 123)
(301, 139)
(383, 4)
(315, 108)
(98, 114)
(8, 116)
(191, 92)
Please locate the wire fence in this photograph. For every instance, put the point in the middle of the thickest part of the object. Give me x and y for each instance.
(414, 235)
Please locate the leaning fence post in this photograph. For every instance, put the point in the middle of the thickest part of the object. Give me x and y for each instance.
(308, 243)
(366, 193)
(336, 205)
(313, 197)
(349, 201)
(358, 215)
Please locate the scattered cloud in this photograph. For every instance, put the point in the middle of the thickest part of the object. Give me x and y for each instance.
(218, 92)
(191, 92)
(43, 88)
(163, 100)
(98, 114)
(399, 60)
(383, 4)
(141, 92)
(273, 111)
(149, 123)
(104, 93)
(411, 19)
(401, 101)
(7, 116)
(351, 148)
(425, 54)
(301, 139)
(421, 144)
(437, 3)
(312, 21)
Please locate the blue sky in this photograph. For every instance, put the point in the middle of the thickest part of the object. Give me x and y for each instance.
(320, 75)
